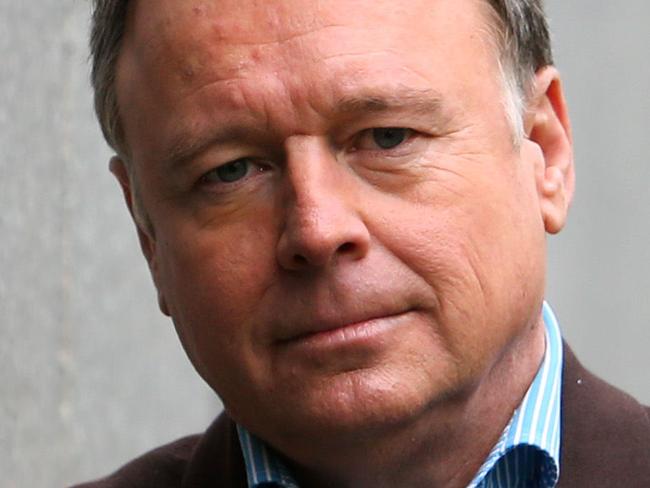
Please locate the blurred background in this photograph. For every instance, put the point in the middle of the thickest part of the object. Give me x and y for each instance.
(91, 374)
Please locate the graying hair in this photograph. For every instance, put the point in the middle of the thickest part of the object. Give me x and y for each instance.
(522, 38)
(524, 43)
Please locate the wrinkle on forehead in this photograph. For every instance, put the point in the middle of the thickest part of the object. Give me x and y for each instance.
(186, 59)
(189, 37)
(192, 38)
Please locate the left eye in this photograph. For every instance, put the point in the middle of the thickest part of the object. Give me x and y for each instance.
(229, 172)
(382, 138)
(389, 137)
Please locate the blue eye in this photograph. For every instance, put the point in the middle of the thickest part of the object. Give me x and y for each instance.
(230, 172)
(389, 137)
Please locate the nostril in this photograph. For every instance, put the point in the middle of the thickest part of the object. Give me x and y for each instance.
(346, 247)
(300, 260)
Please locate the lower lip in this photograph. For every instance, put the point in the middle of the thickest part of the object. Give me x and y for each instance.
(367, 333)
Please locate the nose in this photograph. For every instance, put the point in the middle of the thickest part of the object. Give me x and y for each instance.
(322, 220)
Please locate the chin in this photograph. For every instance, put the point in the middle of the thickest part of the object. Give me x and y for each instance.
(344, 408)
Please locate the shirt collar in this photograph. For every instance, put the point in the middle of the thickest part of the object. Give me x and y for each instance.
(529, 445)
(264, 467)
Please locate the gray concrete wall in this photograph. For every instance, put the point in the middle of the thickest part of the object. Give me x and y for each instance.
(600, 265)
(91, 374)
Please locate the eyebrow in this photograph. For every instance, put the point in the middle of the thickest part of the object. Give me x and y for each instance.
(186, 146)
(427, 102)
(421, 102)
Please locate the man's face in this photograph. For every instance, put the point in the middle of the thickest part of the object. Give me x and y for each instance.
(342, 229)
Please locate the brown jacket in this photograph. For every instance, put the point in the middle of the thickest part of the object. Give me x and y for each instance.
(605, 443)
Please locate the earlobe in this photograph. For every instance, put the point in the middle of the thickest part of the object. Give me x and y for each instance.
(162, 304)
(548, 126)
(554, 202)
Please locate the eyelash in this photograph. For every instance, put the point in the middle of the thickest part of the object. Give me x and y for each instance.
(253, 167)
(409, 136)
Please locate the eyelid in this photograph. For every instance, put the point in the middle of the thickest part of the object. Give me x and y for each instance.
(355, 146)
(210, 177)
(214, 171)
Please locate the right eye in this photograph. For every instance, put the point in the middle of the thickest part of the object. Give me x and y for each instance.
(229, 172)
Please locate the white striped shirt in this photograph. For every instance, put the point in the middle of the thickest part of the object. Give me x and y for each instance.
(526, 455)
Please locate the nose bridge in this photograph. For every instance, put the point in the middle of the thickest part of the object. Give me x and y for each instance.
(311, 173)
(322, 219)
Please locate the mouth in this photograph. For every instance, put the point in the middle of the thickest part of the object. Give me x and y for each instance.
(337, 333)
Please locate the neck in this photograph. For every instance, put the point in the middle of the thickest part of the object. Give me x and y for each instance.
(446, 445)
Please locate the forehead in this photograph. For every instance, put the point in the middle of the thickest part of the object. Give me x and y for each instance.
(166, 22)
(295, 49)
(190, 37)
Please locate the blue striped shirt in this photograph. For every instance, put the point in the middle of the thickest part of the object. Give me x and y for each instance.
(526, 455)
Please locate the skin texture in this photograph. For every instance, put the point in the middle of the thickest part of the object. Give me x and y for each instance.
(372, 313)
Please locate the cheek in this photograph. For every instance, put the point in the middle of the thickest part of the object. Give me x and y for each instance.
(213, 281)
(477, 247)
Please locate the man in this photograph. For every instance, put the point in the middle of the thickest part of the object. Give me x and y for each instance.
(343, 206)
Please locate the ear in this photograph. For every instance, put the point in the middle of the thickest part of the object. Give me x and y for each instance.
(547, 125)
(146, 235)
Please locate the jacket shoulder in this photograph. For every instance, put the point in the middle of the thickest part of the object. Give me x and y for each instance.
(162, 467)
(605, 432)
(210, 460)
